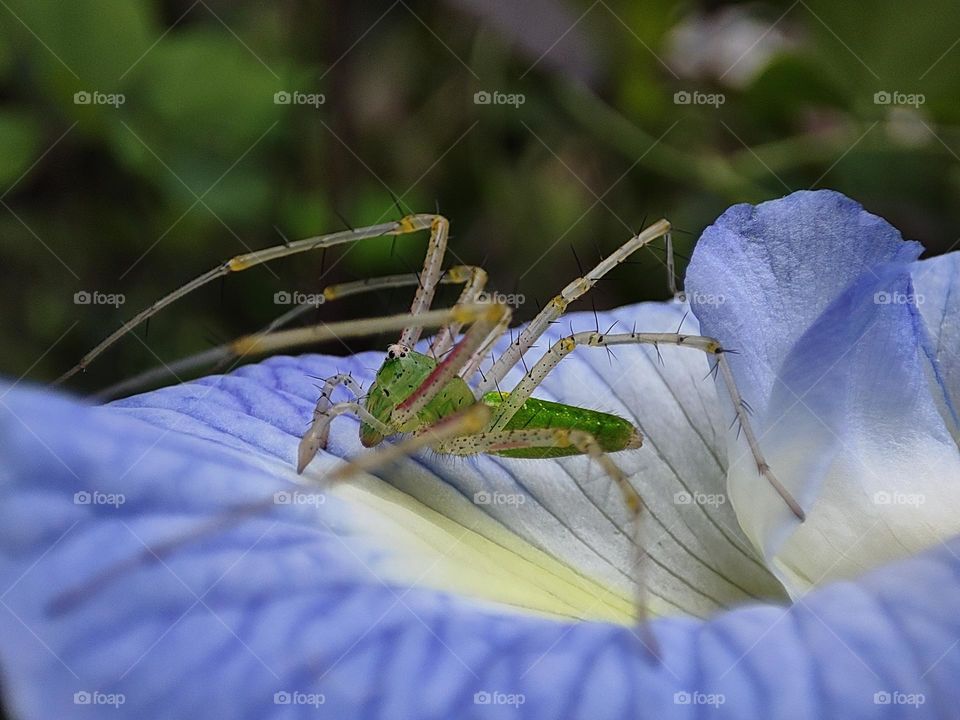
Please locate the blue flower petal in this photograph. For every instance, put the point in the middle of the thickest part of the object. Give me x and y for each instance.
(282, 606)
(819, 304)
(937, 285)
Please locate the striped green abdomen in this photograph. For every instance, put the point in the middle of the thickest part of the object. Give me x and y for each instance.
(613, 433)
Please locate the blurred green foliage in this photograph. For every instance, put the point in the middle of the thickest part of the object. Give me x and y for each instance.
(198, 162)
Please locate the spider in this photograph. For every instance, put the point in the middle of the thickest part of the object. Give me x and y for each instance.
(427, 395)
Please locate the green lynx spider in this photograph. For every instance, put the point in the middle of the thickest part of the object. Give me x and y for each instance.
(427, 394)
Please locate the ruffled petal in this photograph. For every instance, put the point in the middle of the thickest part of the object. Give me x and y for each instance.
(832, 358)
(937, 285)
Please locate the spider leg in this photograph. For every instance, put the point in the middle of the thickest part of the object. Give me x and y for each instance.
(558, 305)
(492, 441)
(712, 347)
(323, 414)
(409, 224)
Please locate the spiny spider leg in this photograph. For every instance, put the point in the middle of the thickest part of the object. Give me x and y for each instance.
(429, 277)
(563, 347)
(317, 434)
(410, 224)
(487, 442)
(558, 305)
(475, 280)
(263, 343)
(321, 432)
(220, 355)
(468, 421)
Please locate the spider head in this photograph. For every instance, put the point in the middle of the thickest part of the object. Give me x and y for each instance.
(397, 351)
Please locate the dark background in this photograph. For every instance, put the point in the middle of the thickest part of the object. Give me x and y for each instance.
(199, 163)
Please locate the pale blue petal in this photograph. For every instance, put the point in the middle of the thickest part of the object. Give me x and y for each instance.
(937, 284)
(832, 357)
(291, 607)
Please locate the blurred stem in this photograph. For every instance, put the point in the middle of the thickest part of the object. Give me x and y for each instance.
(704, 169)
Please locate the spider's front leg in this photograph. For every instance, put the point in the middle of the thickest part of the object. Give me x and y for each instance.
(317, 435)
